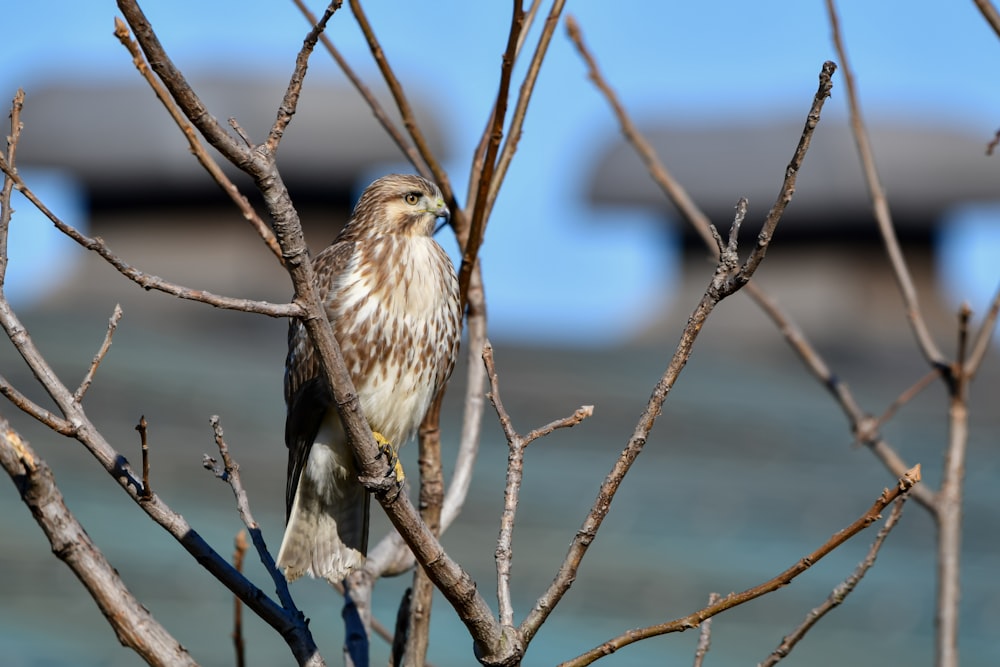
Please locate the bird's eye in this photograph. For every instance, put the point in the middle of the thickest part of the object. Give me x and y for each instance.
(412, 198)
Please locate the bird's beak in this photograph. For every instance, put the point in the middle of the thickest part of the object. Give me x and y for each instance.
(440, 210)
(442, 213)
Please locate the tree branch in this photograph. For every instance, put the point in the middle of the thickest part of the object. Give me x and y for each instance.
(721, 286)
(145, 280)
(477, 220)
(905, 483)
(705, 635)
(989, 13)
(515, 471)
(202, 155)
(134, 626)
(698, 221)
(291, 99)
(405, 146)
(880, 204)
(116, 317)
(949, 505)
(840, 593)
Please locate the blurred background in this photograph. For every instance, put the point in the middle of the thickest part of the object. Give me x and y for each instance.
(589, 277)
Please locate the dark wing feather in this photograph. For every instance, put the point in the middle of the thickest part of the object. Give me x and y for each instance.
(307, 395)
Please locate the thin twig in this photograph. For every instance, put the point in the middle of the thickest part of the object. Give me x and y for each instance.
(17, 104)
(230, 474)
(239, 645)
(145, 280)
(989, 13)
(291, 99)
(949, 505)
(376, 107)
(141, 427)
(980, 344)
(704, 635)
(51, 420)
(994, 142)
(840, 593)
(721, 286)
(791, 173)
(197, 148)
(403, 104)
(292, 627)
(477, 219)
(524, 97)
(516, 445)
(116, 317)
(880, 204)
(903, 485)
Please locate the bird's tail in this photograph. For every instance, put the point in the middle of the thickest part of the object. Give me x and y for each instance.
(327, 530)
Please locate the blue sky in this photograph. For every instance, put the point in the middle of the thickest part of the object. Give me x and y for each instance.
(556, 270)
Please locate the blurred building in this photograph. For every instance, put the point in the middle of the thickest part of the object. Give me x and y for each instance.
(827, 262)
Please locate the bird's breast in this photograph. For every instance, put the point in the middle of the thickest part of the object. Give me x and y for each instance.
(396, 317)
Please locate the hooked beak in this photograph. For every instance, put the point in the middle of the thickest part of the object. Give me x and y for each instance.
(442, 213)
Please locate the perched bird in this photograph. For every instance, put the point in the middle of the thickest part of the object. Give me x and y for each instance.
(391, 295)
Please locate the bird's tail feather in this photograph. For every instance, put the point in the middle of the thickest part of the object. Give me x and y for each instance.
(327, 531)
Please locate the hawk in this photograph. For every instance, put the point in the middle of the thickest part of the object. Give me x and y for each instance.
(391, 296)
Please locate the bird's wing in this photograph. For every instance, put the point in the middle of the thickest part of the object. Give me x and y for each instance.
(307, 395)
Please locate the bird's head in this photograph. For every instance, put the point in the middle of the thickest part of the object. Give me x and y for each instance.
(399, 204)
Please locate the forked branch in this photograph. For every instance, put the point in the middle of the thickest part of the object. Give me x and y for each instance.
(903, 486)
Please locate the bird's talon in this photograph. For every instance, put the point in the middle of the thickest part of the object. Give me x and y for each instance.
(386, 449)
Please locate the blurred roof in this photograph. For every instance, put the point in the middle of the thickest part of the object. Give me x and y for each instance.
(122, 144)
(924, 169)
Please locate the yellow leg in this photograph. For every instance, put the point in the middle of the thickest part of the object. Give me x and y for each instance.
(388, 450)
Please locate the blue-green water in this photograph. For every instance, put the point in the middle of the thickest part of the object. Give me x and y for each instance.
(749, 468)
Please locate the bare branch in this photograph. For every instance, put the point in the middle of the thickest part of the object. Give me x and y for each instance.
(949, 505)
(515, 472)
(840, 593)
(145, 280)
(230, 473)
(291, 627)
(472, 240)
(197, 149)
(134, 626)
(701, 224)
(989, 13)
(868, 428)
(239, 646)
(994, 142)
(291, 98)
(791, 172)
(880, 204)
(141, 427)
(116, 317)
(524, 97)
(403, 104)
(32, 409)
(8, 182)
(721, 286)
(705, 635)
(904, 484)
(983, 337)
(863, 426)
(377, 109)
